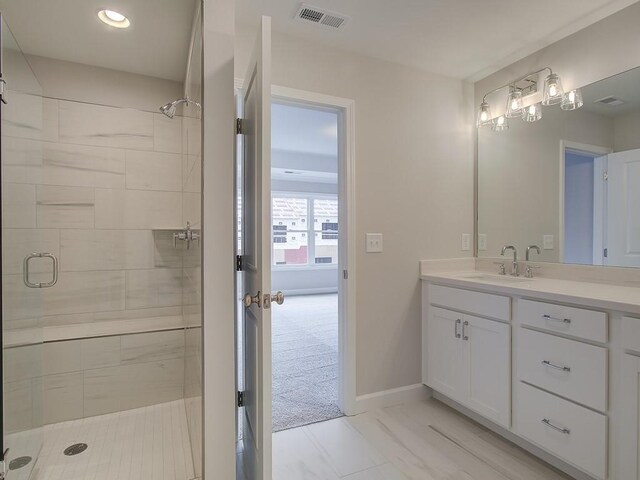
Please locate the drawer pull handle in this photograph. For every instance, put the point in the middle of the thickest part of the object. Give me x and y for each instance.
(548, 423)
(464, 330)
(547, 363)
(563, 320)
(455, 328)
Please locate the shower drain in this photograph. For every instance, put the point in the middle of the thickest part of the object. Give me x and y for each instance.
(19, 462)
(75, 449)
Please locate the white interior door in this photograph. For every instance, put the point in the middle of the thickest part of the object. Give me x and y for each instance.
(623, 205)
(256, 259)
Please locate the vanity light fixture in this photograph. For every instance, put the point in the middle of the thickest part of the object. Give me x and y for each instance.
(114, 19)
(532, 113)
(500, 124)
(572, 100)
(484, 115)
(552, 94)
(514, 102)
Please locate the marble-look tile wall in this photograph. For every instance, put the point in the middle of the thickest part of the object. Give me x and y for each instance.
(103, 188)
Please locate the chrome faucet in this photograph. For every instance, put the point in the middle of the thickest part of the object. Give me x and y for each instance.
(532, 247)
(514, 265)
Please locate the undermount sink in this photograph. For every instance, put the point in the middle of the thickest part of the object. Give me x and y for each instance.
(487, 277)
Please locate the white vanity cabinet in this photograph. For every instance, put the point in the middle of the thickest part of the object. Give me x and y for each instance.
(539, 369)
(467, 356)
(629, 438)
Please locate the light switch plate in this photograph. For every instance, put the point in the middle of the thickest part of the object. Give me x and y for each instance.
(374, 243)
(466, 242)
(482, 242)
(547, 242)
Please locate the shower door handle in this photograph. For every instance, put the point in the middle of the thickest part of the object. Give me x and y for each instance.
(25, 268)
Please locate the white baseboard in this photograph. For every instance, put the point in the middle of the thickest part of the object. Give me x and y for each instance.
(395, 396)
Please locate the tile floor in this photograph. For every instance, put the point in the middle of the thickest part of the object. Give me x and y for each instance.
(145, 443)
(419, 441)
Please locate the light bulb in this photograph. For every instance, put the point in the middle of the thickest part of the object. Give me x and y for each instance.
(532, 110)
(514, 104)
(115, 16)
(484, 116)
(113, 19)
(553, 91)
(572, 100)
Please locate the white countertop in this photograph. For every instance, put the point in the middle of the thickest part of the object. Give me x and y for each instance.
(597, 295)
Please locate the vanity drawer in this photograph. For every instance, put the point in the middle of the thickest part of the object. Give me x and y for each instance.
(569, 368)
(568, 431)
(577, 322)
(631, 333)
(478, 303)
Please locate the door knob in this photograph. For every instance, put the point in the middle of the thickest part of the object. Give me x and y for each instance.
(247, 300)
(268, 299)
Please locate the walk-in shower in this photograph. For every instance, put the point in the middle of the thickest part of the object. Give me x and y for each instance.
(101, 302)
(170, 108)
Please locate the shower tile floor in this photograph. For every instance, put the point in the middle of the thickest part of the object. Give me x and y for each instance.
(145, 443)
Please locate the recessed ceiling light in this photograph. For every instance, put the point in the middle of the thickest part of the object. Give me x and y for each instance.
(113, 19)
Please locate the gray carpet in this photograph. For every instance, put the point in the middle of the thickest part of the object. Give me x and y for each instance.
(305, 361)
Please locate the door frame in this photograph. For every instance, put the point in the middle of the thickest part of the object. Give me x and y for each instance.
(346, 234)
(596, 150)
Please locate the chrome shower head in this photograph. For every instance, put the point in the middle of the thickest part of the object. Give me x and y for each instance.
(170, 108)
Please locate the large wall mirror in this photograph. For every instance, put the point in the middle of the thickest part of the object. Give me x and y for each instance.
(568, 183)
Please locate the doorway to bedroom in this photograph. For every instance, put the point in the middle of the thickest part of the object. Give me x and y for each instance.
(305, 263)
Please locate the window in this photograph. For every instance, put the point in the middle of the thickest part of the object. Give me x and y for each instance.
(330, 230)
(279, 234)
(305, 229)
(291, 247)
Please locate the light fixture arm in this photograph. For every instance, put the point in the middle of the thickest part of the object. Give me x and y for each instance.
(513, 82)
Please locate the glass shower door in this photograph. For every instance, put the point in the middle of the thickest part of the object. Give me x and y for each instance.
(28, 261)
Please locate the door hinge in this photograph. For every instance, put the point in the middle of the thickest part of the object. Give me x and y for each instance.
(3, 464)
(345, 274)
(239, 125)
(240, 399)
(605, 176)
(239, 263)
(3, 90)
(606, 252)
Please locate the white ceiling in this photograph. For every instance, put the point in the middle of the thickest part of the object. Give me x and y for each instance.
(306, 130)
(467, 39)
(156, 44)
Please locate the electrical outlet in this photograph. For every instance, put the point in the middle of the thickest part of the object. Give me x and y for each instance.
(374, 243)
(547, 242)
(482, 242)
(466, 242)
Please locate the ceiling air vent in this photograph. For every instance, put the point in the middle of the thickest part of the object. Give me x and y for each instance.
(610, 101)
(319, 16)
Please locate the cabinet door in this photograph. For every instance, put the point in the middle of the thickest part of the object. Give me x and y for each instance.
(488, 363)
(628, 445)
(445, 368)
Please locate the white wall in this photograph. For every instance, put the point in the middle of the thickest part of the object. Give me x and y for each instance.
(626, 132)
(414, 184)
(218, 272)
